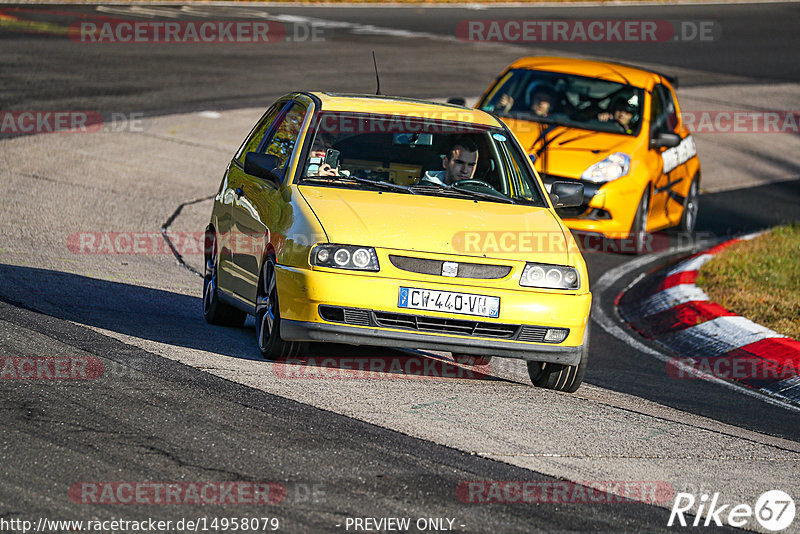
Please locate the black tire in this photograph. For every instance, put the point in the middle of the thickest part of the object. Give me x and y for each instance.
(558, 376)
(471, 359)
(638, 236)
(268, 317)
(691, 206)
(214, 310)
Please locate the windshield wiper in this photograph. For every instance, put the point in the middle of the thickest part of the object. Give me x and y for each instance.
(436, 188)
(487, 196)
(380, 185)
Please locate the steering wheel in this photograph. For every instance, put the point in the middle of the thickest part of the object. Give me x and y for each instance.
(473, 182)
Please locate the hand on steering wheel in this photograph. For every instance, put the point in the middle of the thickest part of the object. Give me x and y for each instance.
(472, 181)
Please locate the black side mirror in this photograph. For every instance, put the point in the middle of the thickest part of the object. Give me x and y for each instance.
(457, 100)
(664, 139)
(566, 194)
(262, 166)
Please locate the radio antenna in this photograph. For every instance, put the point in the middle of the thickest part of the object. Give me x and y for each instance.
(377, 78)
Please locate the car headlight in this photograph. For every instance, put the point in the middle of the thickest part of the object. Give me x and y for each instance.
(345, 257)
(614, 166)
(550, 276)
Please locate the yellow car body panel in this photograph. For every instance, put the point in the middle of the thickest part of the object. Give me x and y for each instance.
(438, 225)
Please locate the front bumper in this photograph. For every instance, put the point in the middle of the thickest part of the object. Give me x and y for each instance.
(607, 209)
(355, 335)
(306, 297)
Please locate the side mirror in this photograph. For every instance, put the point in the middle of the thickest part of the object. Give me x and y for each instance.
(262, 166)
(457, 100)
(566, 194)
(663, 139)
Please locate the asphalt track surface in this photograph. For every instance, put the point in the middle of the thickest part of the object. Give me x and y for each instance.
(155, 415)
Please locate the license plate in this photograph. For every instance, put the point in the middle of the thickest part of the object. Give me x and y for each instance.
(447, 301)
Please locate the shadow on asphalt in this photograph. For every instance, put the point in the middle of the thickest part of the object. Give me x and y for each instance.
(749, 210)
(175, 319)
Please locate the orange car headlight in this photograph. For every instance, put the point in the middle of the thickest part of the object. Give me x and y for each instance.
(614, 166)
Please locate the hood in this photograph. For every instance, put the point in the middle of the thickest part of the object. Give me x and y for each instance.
(572, 150)
(431, 224)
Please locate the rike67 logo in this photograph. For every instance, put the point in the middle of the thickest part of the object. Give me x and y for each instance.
(774, 511)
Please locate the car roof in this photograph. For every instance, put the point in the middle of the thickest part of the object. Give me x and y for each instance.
(395, 105)
(605, 70)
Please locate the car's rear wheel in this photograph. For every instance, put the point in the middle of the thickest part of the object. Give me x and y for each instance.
(471, 359)
(268, 317)
(558, 376)
(215, 311)
(691, 205)
(638, 235)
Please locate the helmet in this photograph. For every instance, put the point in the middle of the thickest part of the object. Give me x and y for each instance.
(537, 88)
(629, 103)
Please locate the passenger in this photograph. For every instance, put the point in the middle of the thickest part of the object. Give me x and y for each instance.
(316, 158)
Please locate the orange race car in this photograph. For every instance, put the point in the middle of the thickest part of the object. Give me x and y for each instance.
(614, 128)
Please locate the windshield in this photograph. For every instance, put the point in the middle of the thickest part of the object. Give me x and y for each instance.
(567, 99)
(420, 156)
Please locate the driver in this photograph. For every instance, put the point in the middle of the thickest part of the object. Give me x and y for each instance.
(459, 163)
(621, 112)
(542, 103)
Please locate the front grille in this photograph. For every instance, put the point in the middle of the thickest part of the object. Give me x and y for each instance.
(444, 326)
(572, 213)
(439, 325)
(358, 317)
(434, 267)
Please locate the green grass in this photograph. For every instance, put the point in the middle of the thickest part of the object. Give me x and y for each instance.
(759, 279)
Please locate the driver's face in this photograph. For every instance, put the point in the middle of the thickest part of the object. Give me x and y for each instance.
(542, 104)
(460, 165)
(623, 117)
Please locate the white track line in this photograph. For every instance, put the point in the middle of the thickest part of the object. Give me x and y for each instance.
(610, 325)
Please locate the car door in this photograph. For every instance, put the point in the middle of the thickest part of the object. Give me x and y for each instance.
(230, 192)
(259, 210)
(665, 204)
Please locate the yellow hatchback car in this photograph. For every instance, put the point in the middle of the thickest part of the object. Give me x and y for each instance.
(371, 220)
(614, 128)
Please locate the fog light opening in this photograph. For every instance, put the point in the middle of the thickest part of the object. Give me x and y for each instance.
(555, 335)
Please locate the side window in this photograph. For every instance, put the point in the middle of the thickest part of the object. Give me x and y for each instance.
(284, 136)
(657, 116)
(257, 134)
(670, 112)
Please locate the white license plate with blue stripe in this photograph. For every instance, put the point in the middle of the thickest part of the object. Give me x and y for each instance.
(448, 301)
